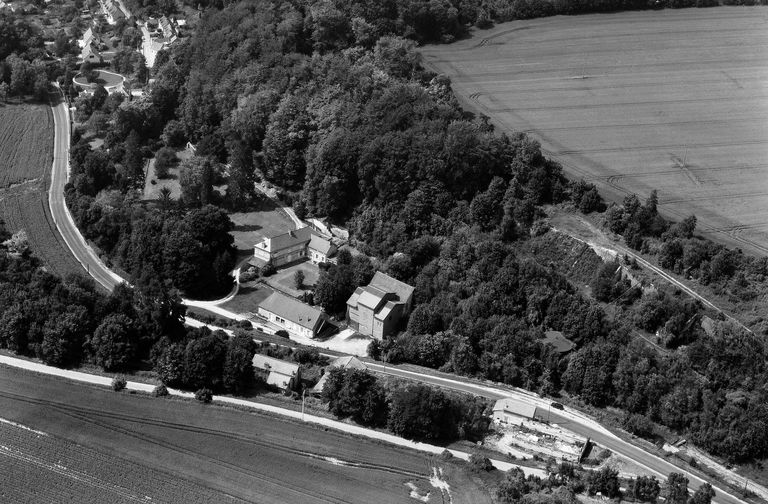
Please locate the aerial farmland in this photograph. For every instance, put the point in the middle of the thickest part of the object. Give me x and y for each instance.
(673, 100)
(26, 154)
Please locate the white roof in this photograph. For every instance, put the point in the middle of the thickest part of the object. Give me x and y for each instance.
(515, 407)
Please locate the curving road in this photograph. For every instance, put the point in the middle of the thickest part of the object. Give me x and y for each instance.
(570, 420)
(61, 216)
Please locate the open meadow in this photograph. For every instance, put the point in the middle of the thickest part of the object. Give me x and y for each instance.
(674, 100)
(26, 155)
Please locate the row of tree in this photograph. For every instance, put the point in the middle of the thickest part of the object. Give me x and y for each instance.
(414, 411)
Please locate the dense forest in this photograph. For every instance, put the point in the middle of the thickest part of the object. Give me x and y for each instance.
(328, 100)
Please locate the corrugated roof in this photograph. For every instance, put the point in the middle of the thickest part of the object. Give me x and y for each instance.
(516, 407)
(266, 363)
(292, 309)
(388, 284)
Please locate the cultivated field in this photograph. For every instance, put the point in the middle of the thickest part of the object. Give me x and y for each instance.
(166, 444)
(674, 100)
(26, 155)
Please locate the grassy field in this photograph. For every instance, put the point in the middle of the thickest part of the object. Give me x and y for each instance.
(674, 100)
(26, 155)
(228, 454)
(252, 227)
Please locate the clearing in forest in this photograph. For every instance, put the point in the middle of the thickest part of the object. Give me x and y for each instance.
(674, 100)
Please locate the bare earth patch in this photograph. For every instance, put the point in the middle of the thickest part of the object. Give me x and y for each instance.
(673, 100)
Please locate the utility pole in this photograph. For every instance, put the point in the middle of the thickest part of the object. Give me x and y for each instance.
(303, 395)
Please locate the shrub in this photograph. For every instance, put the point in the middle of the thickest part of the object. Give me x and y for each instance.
(298, 279)
(204, 395)
(160, 391)
(268, 269)
(119, 383)
(283, 333)
(480, 463)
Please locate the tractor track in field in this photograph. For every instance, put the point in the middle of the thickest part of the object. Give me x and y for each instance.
(93, 416)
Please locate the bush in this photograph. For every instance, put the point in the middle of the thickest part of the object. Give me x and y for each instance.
(268, 269)
(479, 463)
(204, 395)
(160, 391)
(119, 383)
(298, 279)
(283, 333)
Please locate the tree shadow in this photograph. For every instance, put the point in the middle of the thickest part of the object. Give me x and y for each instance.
(244, 228)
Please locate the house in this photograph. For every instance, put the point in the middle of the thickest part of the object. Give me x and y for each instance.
(86, 39)
(346, 362)
(294, 316)
(112, 11)
(558, 341)
(295, 245)
(279, 373)
(90, 54)
(514, 411)
(169, 31)
(376, 309)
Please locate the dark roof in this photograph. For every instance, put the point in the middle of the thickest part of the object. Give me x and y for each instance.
(558, 341)
(386, 283)
(293, 310)
(289, 239)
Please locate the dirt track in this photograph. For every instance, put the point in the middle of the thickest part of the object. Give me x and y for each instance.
(247, 457)
(674, 100)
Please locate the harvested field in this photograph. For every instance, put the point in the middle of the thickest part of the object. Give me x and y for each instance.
(26, 155)
(674, 100)
(227, 454)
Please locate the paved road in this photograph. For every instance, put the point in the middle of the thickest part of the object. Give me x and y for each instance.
(61, 216)
(570, 420)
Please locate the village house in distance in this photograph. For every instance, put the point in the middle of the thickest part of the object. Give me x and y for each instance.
(295, 245)
(278, 373)
(376, 309)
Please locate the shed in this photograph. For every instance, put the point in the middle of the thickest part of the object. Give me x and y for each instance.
(276, 372)
(514, 411)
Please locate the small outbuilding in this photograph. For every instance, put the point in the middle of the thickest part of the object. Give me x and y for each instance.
(514, 411)
(278, 373)
(346, 362)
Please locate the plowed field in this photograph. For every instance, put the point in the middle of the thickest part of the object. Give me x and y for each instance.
(103, 446)
(674, 100)
(26, 155)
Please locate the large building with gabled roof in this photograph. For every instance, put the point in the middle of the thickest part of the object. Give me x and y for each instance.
(294, 316)
(294, 245)
(377, 309)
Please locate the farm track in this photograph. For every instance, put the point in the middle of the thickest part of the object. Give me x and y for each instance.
(670, 100)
